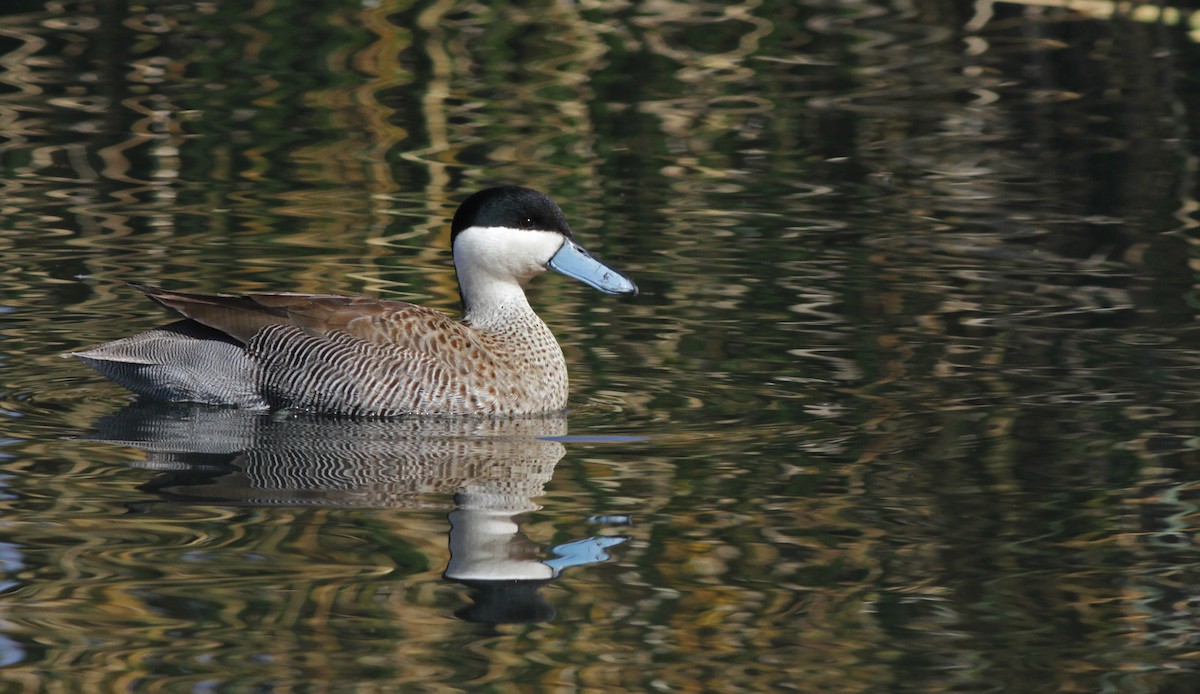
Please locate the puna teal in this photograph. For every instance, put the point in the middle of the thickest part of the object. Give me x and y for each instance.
(362, 356)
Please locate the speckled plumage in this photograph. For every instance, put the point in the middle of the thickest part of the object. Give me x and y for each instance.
(374, 357)
(399, 358)
(345, 355)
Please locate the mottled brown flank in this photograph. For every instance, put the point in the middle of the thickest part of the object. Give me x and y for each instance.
(355, 355)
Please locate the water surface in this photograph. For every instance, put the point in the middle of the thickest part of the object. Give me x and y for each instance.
(908, 401)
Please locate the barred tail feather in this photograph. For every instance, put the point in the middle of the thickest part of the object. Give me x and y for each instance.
(181, 362)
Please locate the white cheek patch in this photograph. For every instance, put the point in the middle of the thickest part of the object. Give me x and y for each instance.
(504, 252)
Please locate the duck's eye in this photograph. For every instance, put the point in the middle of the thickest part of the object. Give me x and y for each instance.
(527, 223)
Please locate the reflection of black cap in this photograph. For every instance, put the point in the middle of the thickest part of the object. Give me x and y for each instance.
(506, 602)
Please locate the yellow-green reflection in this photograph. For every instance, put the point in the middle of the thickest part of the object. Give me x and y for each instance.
(914, 362)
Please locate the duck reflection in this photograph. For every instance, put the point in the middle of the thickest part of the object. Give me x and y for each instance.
(492, 468)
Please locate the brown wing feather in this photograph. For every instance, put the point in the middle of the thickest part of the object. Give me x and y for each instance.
(243, 316)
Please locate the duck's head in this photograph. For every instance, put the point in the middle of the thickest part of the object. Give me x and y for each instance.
(504, 236)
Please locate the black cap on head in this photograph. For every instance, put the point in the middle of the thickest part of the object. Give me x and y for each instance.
(509, 206)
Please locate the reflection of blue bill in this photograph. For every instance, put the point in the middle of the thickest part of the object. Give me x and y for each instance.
(617, 519)
(582, 552)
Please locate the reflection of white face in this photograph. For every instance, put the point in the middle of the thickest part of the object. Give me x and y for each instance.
(493, 263)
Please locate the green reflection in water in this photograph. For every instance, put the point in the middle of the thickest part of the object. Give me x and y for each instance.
(914, 358)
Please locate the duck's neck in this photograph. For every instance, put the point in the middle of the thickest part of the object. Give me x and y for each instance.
(491, 304)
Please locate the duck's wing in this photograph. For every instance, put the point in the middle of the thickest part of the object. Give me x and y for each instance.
(241, 316)
(401, 326)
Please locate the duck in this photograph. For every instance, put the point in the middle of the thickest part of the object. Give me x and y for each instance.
(363, 356)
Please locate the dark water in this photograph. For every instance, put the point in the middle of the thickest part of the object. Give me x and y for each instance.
(909, 402)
